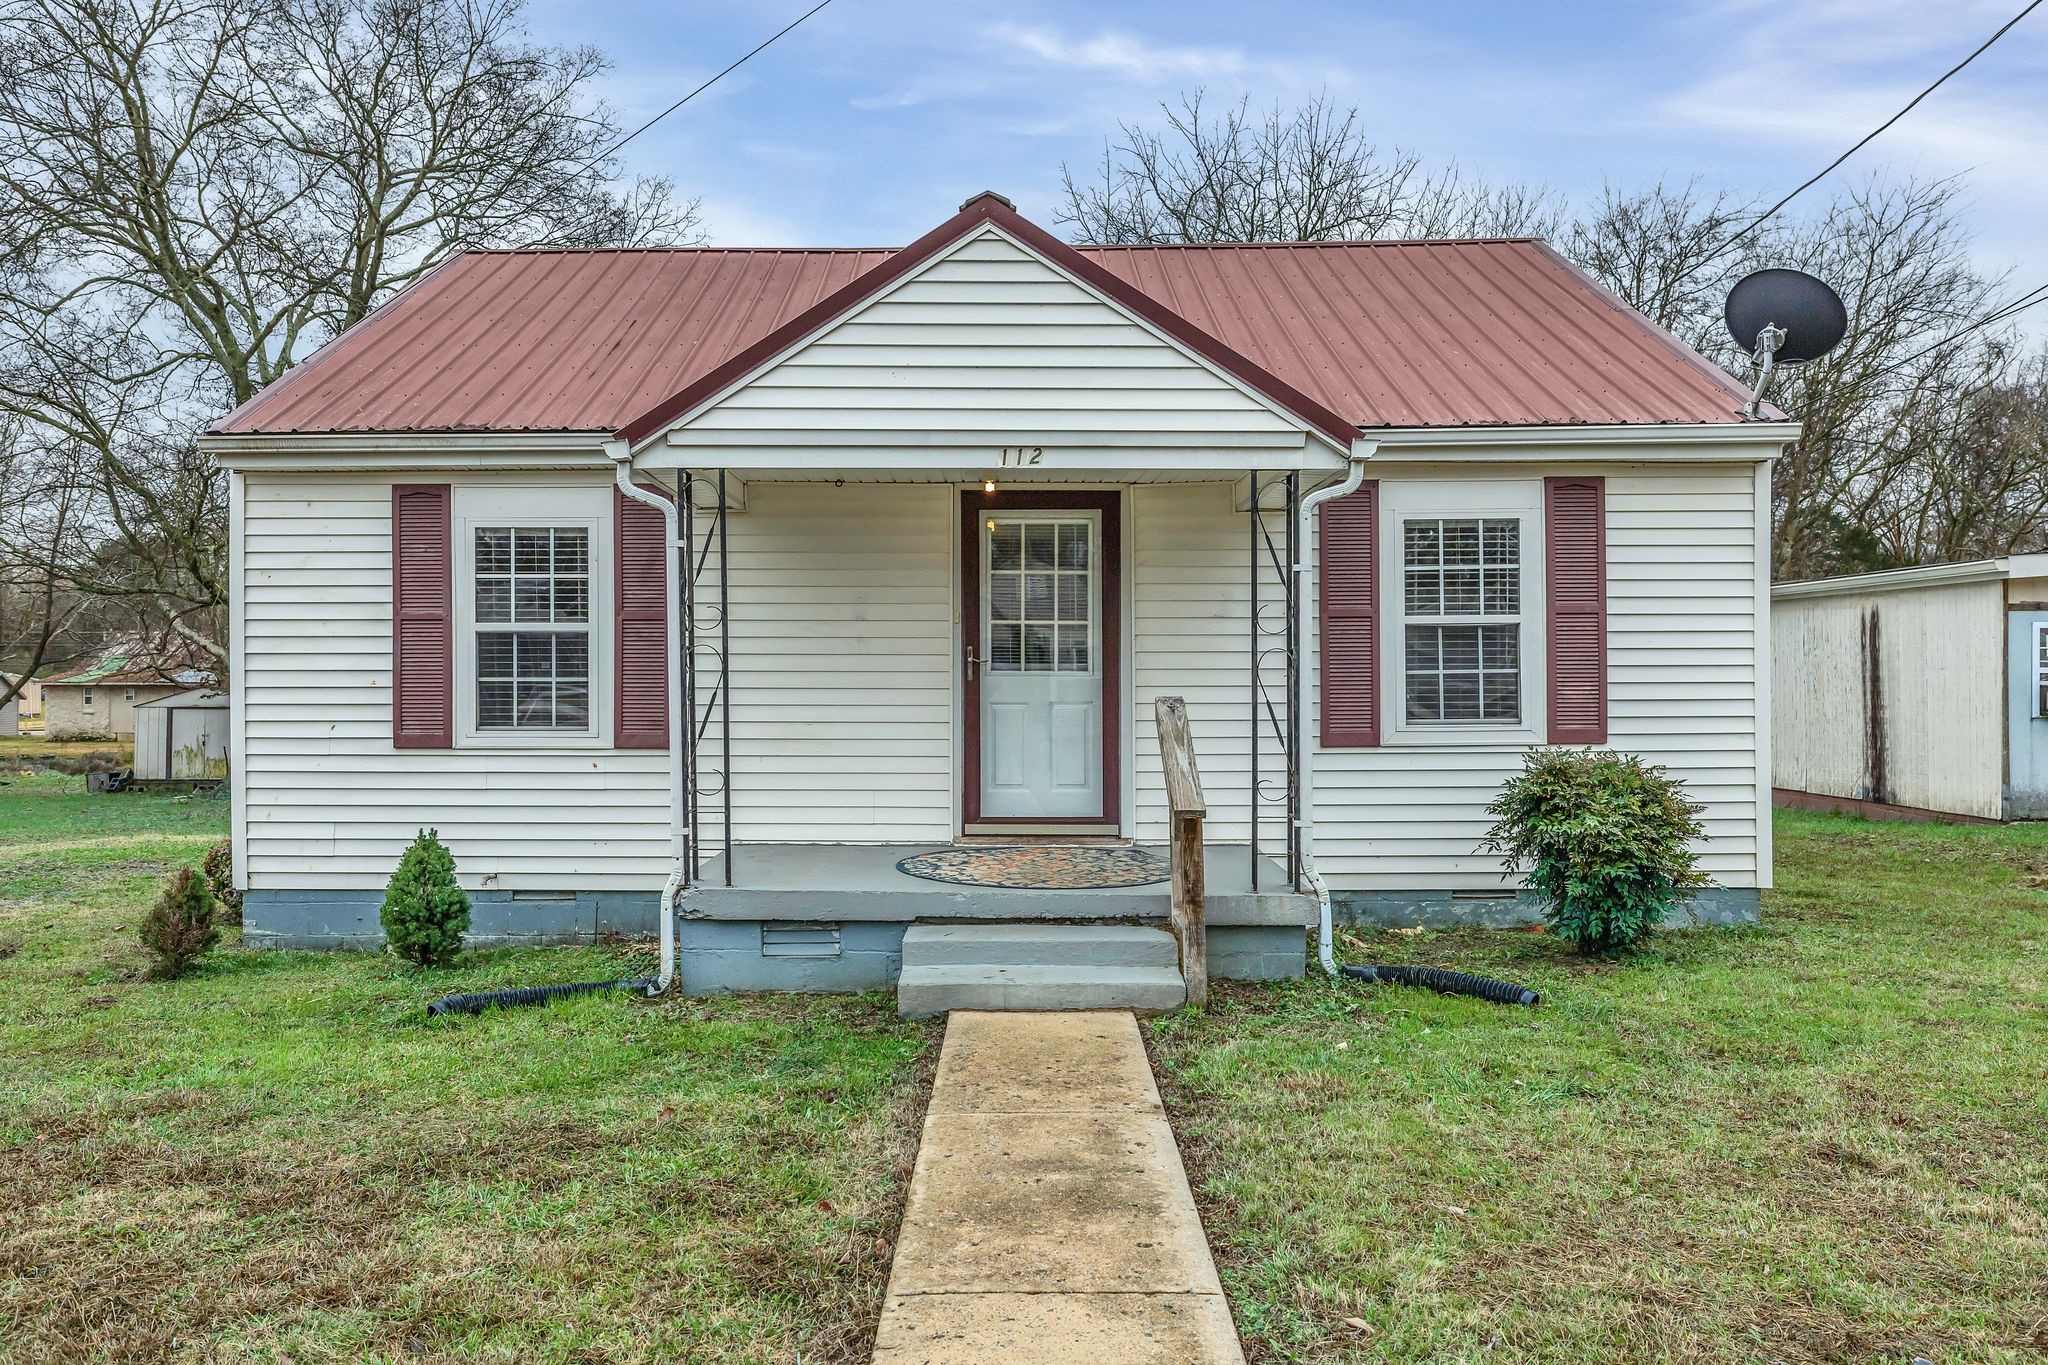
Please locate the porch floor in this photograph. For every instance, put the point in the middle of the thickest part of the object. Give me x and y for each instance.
(852, 882)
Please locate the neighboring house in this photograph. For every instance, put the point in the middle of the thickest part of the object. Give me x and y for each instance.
(956, 515)
(28, 701)
(99, 700)
(1916, 692)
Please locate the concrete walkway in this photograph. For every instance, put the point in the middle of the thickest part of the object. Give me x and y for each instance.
(1050, 1218)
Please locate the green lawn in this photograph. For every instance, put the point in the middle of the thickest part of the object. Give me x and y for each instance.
(1822, 1140)
(1825, 1139)
(282, 1158)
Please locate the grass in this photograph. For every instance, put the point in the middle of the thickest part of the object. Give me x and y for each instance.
(281, 1157)
(1823, 1139)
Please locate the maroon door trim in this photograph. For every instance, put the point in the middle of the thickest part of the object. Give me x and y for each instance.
(1110, 504)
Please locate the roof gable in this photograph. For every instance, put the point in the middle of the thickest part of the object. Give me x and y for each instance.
(990, 218)
(986, 344)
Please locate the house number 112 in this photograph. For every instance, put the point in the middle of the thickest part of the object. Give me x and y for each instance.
(1014, 456)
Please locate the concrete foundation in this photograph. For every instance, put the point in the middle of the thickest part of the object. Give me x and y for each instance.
(1707, 907)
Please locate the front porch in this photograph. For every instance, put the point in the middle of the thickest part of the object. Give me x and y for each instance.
(831, 917)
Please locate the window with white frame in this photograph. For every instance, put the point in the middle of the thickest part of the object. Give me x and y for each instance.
(1461, 563)
(85, 698)
(2041, 669)
(1461, 606)
(531, 636)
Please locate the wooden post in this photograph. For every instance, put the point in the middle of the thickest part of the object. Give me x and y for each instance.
(1187, 808)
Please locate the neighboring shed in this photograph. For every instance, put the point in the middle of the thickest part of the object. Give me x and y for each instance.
(1915, 692)
(10, 720)
(182, 737)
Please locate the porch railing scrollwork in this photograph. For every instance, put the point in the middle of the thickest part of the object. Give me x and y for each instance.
(707, 665)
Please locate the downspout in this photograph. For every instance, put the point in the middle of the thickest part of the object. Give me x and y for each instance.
(1305, 824)
(621, 454)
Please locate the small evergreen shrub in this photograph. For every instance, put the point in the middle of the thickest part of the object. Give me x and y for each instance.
(179, 928)
(218, 867)
(1607, 841)
(425, 913)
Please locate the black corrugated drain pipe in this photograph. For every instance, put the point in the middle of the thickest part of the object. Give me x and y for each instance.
(479, 1001)
(1449, 983)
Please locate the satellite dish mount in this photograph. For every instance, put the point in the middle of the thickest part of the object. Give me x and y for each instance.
(1765, 358)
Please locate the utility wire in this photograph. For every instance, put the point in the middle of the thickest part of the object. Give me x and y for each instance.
(766, 43)
(1871, 136)
(2010, 310)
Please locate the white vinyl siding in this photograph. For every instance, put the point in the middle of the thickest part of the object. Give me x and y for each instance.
(1682, 668)
(1188, 588)
(329, 802)
(984, 348)
(842, 664)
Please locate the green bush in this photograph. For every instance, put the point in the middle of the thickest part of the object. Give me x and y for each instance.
(425, 913)
(1607, 841)
(218, 867)
(179, 928)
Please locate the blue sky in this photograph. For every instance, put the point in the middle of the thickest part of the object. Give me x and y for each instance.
(874, 120)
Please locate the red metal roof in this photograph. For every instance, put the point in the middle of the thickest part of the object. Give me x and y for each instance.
(1381, 334)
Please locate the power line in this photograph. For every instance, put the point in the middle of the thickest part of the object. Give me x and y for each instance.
(1872, 135)
(765, 43)
(2010, 310)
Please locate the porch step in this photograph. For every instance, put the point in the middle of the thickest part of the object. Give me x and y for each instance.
(1037, 967)
(1039, 944)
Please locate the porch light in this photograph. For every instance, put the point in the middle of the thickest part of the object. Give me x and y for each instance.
(988, 485)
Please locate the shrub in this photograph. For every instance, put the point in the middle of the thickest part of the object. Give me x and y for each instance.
(218, 866)
(425, 912)
(179, 928)
(1606, 839)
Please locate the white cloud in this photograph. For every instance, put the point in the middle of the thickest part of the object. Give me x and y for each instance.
(1123, 54)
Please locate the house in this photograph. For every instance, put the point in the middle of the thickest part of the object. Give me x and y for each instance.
(1915, 693)
(724, 581)
(98, 701)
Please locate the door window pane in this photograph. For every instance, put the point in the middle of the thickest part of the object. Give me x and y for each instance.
(1041, 578)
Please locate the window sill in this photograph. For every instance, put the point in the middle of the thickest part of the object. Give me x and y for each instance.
(1462, 737)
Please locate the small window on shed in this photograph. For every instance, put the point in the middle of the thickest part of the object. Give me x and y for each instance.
(127, 694)
(2041, 669)
(86, 699)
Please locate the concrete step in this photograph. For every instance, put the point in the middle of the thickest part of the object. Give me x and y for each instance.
(1038, 944)
(922, 991)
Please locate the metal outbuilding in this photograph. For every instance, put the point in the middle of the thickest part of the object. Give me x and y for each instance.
(182, 737)
(1914, 693)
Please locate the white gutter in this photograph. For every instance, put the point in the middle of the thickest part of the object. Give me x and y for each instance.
(679, 878)
(1305, 824)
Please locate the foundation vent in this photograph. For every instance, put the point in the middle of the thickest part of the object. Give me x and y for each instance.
(784, 939)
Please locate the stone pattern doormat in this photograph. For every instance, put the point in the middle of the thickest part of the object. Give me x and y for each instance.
(1041, 867)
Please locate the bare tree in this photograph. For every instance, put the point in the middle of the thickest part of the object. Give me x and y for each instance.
(1666, 250)
(1309, 175)
(203, 190)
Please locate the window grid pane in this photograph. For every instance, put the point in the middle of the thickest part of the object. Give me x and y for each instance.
(1040, 596)
(536, 677)
(1462, 571)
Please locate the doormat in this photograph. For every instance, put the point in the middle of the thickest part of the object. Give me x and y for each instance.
(1041, 867)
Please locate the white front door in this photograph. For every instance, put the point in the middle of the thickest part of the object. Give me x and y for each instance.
(1040, 660)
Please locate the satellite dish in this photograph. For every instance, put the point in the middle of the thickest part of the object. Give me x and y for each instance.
(1809, 313)
(1783, 317)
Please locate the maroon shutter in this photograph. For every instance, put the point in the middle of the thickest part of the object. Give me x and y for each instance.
(639, 625)
(1575, 565)
(422, 617)
(1349, 574)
